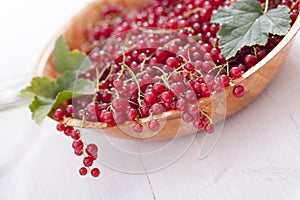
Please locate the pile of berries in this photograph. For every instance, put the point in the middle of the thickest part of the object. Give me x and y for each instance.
(159, 57)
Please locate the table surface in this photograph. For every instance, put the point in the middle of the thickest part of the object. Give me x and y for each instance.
(257, 156)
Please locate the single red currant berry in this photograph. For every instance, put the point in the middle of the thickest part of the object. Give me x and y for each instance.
(250, 60)
(69, 110)
(153, 125)
(108, 117)
(261, 54)
(159, 88)
(68, 130)
(144, 111)
(235, 72)
(167, 97)
(161, 54)
(198, 124)
(177, 88)
(60, 127)
(225, 79)
(172, 62)
(77, 144)
(119, 104)
(238, 91)
(83, 171)
(205, 91)
(88, 161)
(157, 109)
(78, 152)
(75, 134)
(181, 105)
(95, 172)
(132, 114)
(138, 128)
(209, 80)
(91, 149)
(190, 96)
(242, 67)
(149, 98)
(59, 114)
(187, 117)
(194, 109)
(209, 128)
(189, 67)
(119, 117)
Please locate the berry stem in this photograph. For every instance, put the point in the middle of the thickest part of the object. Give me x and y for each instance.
(206, 115)
(157, 31)
(171, 42)
(145, 60)
(101, 74)
(187, 14)
(163, 77)
(137, 82)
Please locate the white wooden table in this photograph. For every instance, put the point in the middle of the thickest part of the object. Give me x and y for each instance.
(257, 156)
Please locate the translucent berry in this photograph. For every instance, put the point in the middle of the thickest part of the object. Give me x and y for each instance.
(83, 171)
(95, 172)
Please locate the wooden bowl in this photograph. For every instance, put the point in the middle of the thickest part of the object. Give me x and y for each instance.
(254, 80)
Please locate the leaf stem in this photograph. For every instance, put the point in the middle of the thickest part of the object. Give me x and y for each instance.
(164, 78)
(266, 6)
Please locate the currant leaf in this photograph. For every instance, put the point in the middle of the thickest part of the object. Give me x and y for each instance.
(48, 94)
(40, 107)
(245, 23)
(66, 60)
(69, 81)
(40, 86)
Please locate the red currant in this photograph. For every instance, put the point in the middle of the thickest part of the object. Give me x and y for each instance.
(91, 149)
(238, 91)
(95, 172)
(83, 171)
(88, 161)
(153, 125)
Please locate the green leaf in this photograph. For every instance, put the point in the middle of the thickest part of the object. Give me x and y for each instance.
(40, 107)
(48, 94)
(197, 38)
(69, 81)
(245, 23)
(62, 97)
(41, 86)
(66, 81)
(66, 60)
(84, 86)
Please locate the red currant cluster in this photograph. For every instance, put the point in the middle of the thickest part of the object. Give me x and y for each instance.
(141, 74)
(89, 152)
